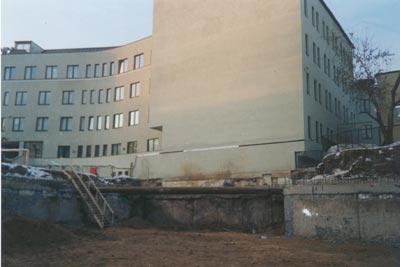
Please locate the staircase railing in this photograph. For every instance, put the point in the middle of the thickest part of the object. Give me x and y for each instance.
(94, 199)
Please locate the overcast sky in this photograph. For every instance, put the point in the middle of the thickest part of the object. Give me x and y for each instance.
(88, 23)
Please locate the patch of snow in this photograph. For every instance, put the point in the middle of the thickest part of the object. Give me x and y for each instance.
(388, 159)
(31, 172)
(309, 213)
(337, 172)
(368, 159)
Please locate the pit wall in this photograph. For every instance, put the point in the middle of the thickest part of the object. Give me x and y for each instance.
(43, 200)
(58, 202)
(361, 212)
(245, 212)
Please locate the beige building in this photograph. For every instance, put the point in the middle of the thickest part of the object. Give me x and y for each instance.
(386, 82)
(226, 88)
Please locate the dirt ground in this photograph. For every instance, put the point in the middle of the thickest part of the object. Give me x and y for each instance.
(26, 243)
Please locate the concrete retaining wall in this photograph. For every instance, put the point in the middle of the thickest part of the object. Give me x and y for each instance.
(53, 201)
(56, 201)
(246, 212)
(360, 212)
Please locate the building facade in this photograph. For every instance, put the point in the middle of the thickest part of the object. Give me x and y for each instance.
(224, 87)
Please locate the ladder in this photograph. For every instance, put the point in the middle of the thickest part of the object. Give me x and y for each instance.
(94, 199)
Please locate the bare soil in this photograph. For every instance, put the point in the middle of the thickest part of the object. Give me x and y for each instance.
(26, 243)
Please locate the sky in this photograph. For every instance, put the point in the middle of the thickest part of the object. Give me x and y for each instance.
(90, 23)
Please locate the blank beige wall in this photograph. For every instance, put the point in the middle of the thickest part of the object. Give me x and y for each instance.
(226, 72)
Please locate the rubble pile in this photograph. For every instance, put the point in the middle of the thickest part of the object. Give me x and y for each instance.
(344, 163)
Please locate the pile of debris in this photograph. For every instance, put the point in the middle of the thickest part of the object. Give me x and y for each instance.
(30, 172)
(344, 163)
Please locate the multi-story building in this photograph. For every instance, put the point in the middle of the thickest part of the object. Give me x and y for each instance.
(221, 88)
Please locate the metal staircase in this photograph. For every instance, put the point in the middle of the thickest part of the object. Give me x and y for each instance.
(95, 201)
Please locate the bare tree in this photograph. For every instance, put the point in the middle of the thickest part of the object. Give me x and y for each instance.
(369, 64)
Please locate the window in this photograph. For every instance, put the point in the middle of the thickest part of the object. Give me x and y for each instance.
(135, 89)
(366, 132)
(139, 61)
(72, 71)
(82, 123)
(63, 151)
(97, 150)
(30, 73)
(96, 70)
(334, 73)
(119, 93)
(330, 102)
(80, 152)
(326, 100)
(132, 147)
(336, 106)
(329, 68)
(134, 117)
(314, 51)
(308, 83)
(20, 98)
(88, 151)
(313, 16)
(42, 124)
(35, 149)
(305, 8)
(315, 90)
(6, 98)
(123, 66)
(112, 71)
(152, 144)
(108, 95)
(66, 124)
(319, 93)
(115, 149)
(51, 72)
(91, 123)
(105, 71)
(317, 20)
(397, 112)
(327, 34)
(118, 120)
(3, 123)
(18, 124)
(365, 106)
(105, 150)
(92, 96)
(317, 131)
(68, 98)
(44, 98)
(325, 63)
(106, 122)
(339, 110)
(23, 46)
(318, 57)
(101, 94)
(323, 30)
(84, 97)
(306, 44)
(321, 127)
(99, 122)
(9, 73)
(88, 70)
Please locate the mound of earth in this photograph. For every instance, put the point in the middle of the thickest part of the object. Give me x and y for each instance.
(19, 233)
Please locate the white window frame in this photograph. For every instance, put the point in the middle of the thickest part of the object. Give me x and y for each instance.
(21, 98)
(135, 89)
(119, 93)
(139, 61)
(133, 117)
(44, 98)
